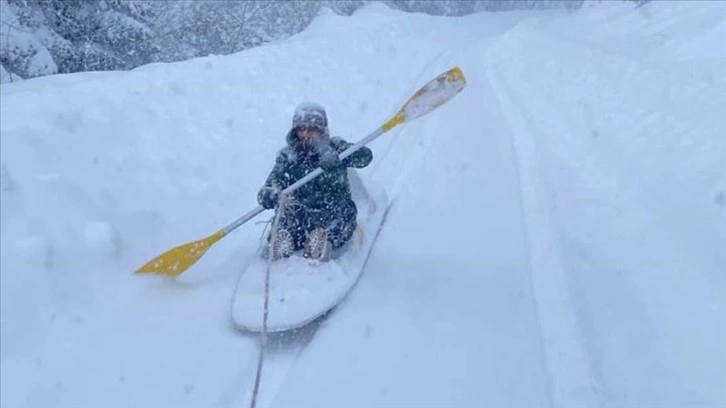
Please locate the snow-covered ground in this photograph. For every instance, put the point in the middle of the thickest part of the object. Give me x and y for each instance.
(556, 232)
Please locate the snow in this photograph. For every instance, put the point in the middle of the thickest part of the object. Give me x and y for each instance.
(300, 290)
(555, 234)
(21, 43)
(6, 76)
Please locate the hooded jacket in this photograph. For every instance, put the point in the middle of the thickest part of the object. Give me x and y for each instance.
(330, 191)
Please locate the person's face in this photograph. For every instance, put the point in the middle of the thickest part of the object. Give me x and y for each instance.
(308, 135)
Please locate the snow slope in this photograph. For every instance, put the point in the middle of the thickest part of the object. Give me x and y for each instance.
(555, 236)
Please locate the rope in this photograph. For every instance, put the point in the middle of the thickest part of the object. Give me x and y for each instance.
(263, 335)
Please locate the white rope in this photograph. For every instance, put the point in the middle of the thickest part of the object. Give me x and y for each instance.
(263, 335)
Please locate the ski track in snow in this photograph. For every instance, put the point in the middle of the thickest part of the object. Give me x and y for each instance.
(556, 240)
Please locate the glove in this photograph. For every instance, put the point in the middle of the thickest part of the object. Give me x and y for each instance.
(329, 160)
(268, 197)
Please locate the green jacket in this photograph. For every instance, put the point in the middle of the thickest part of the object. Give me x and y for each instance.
(329, 191)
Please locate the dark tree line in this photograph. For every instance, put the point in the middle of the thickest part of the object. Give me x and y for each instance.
(41, 37)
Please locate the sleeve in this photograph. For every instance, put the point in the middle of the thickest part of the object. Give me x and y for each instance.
(277, 180)
(359, 159)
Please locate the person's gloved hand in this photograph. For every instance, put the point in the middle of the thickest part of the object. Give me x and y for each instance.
(268, 197)
(329, 160)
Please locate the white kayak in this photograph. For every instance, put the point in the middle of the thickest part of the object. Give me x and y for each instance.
(301, 290)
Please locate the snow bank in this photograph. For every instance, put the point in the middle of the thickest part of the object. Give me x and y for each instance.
(622, 137)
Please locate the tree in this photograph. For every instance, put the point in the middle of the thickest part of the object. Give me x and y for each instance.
(41, 37)
(192, 29)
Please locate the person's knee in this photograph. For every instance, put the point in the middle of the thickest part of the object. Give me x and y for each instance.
(341, 235)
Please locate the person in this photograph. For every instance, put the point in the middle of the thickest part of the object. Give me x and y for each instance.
(320, 216)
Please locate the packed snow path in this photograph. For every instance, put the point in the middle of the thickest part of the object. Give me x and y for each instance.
(555, 236)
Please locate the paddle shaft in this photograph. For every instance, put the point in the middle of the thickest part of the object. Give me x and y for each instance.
(315, 173)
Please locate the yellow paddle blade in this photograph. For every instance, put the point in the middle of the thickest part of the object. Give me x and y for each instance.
(178, 259)
(432, 95)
